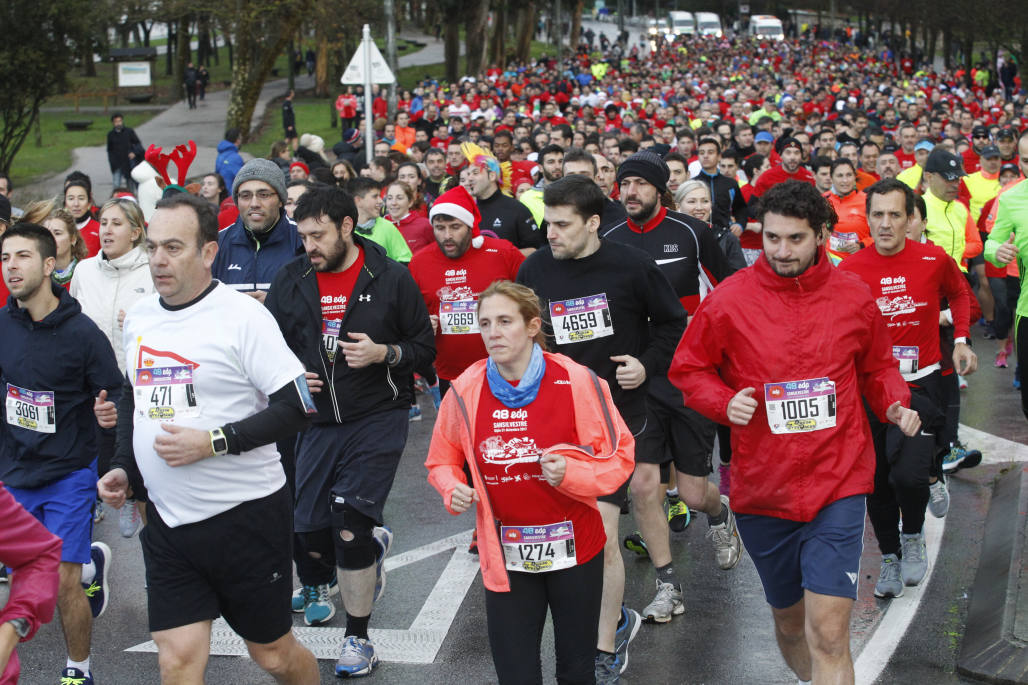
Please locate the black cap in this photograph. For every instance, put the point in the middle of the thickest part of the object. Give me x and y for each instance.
(1007, 133)
(979, 131)
(1010, 166)
(648, 166)
(990, 151)
(943, 162)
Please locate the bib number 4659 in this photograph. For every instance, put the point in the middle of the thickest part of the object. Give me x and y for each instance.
(577, 322)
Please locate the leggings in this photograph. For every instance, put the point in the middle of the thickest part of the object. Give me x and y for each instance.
(1021, 337)
(516, 621)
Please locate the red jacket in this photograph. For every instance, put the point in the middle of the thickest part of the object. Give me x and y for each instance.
(778, 174)
(34, 555)
(759, 330)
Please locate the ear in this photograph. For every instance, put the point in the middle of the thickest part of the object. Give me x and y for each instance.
(209, 251)
(534, 326)
(49, 266)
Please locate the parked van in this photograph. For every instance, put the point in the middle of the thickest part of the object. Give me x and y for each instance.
(766, 26)
(708, 24)
(682, 23)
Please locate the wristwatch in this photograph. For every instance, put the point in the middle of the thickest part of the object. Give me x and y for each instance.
(219, 443)
(392, 356)
(21, 627)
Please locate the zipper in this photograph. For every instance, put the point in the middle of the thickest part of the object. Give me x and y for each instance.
(389, 380)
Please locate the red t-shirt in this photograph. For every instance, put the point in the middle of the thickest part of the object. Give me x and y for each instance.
(905, 161)
(91, 235)
(508, 444)
(778, 174)
(335, 291)
(453, 286)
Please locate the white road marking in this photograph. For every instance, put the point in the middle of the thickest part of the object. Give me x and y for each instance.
(418, 644)
(994, 449)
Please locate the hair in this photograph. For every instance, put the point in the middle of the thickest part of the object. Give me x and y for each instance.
(206, 219)
(751, 164)
(277, 148)
(503, 133)
(434, 151)
(43, 238)
(325, 200)
(628, 145)
(359, 186)
(870, 143)
(577, 192)
(232, 134)
(85, 185)
(117, 115)
(709, 140)
(687, 188)
(577, 154)
(322, 174)
(298, 182)
(919, 204)
(675, 156)
(86, 182)
(550, 150)
(891, 185)
(820, 161)
(4, 176)
(798, 200)
(422, 146)
(133, 214)
(350, 171)
(222, 188)
(40, 212)
(843, 161)
(407, 190)
(525, 299)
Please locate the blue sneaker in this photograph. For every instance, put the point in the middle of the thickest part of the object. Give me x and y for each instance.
(318, 606)
(97, 591)
(436, 397)
(626, 633)
(73, 676)
(384, 538)
(960, 458)
(357, 658)
(415, 413)
(299, 600)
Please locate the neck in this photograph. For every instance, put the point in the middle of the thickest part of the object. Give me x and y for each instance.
(515, 369)
(365, 217)
(489, 192)
(63, 262)
(192, 295)
(590, 247)
(352, 252)
(895, 250)
(41, 303)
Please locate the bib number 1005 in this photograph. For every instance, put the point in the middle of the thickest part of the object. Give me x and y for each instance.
(806, 408)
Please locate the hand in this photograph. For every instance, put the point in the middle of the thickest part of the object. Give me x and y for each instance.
(1007, 252)
(554, 467)
(364, 352)
(121, 318)
(113, 487)
(630, 373)
(742, 406)
(258, 295)
(736, 230)
(106, 412)
(314, 384)
(754, 226)
(908, 420)
(435, 323)
(462, 497)
(182, 446)
(850, 247)
(965, 361)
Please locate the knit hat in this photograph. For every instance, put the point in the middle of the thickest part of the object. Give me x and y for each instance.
(459, 204)
(351, 135)
(303, 166)
(648, 166)
(261, 170)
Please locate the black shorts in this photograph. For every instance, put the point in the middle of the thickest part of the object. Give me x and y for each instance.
(356, 460)
(636, 424)
(680, 435)
(237, 564)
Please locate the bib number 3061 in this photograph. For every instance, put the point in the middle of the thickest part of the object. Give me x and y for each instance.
(800, 406)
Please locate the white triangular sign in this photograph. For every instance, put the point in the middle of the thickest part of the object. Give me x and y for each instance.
(380, 72)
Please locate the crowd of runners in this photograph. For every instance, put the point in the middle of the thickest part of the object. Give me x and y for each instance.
(724, 276)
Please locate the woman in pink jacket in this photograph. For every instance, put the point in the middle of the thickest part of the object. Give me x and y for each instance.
(542, 439)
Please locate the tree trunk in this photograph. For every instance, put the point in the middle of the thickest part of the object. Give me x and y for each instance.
(321, 82)
(947, 46)
(451, 50)
(525, 30)
(169, 52)
(968, 56)
(499, 43)
(88, 65)
(183, 54)
(576, 24)
(475, 36)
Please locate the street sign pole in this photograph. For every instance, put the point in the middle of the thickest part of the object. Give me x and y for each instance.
(369, 124)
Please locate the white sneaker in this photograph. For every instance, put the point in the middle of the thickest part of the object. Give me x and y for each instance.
(129, 520)
(938, 498)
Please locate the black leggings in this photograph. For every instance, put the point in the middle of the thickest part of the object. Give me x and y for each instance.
(516, 621)
(1021, 335)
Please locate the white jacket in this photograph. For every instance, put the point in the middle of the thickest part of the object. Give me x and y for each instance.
(106, 287)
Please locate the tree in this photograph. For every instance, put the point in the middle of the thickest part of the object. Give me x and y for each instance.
(38, 48)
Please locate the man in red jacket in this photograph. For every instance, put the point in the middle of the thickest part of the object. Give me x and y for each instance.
(802, 456)
(791, 168)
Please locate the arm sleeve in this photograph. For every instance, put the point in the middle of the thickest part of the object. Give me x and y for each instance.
(877, 372)
(954, 288)
(528, 231)
(446, 457)
(397, 246)
(1002, 227)
(124, 453)
(416, 341)
(667, 321)
(712, 258)
(694, 368)
(739, 212)
(34, 555)
(972, 239)
(285, 416)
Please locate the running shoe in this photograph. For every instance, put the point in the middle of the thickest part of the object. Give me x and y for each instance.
(357, 658)
(420, 384)
(625, 634)
(1017, 378)
(129, 520)
(298, 601)
(724, 485)
(678, 516)
(938, 498)
(914, 562)
(473, 547)
(73, 676)
(889, 583)
(415, 413)
(608, 668)
(97, 591)
(437, 399)
(3, 574)
(989, 332)
(318, 607)
(960, 458)
(384, 539)
(635, 543)
(98, 512)
(666, 604)
(1001, 359)
(726, 540)
(961, 382)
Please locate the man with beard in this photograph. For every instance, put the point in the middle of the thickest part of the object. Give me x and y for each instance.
(263, 238)
(503, 215)
(791, 153)
(356, 319)
(551, 162)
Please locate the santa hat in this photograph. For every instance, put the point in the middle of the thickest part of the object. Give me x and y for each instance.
(459, 204)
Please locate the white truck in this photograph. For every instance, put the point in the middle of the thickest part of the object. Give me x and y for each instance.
(766, 26)
(709, 24)
(682, 23)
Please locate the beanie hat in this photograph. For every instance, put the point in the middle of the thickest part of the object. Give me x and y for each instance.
(459, 204)
(646, 165)
(351, 135)
(261, 170)
(303, 166)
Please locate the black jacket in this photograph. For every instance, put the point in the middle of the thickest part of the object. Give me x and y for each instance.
(119, 145)
(386, 305)
(727, 204)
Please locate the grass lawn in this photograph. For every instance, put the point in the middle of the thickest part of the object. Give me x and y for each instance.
(33, 163)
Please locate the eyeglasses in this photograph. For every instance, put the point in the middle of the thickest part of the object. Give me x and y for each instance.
(246, 195)
(981, 137)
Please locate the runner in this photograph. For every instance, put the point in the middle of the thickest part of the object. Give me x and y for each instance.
(501, 214)
(609, 307)
(53, 361)
(332, 305)
(367, 196)
(210, 386)
(530, 473)
(802, 457)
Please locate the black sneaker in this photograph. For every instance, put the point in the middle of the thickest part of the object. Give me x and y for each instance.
(635, 543)
(96, 591)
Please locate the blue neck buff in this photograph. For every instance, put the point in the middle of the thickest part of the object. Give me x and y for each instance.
(526, 389)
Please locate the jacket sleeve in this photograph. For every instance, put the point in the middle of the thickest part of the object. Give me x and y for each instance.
(1002, 227)
(445, 462)
(102, 371)
(694, 368)
(972, 238)
(34, 554)
(877, 372)
(667, 320)
(739, 212)
(124, 452)
(958, 295)
(417, 341)
(528, 231)
(712, 258)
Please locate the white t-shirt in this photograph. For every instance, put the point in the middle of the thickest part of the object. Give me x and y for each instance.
(211, 363)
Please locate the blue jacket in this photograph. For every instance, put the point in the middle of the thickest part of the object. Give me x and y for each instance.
(64, 354)
(246, 263)
(228, 163)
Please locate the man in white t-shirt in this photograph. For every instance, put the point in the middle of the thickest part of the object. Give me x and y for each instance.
(210, 386)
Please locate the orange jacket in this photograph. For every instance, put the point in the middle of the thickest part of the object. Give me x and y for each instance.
(852, 214)
(404, 138)
(603, 461)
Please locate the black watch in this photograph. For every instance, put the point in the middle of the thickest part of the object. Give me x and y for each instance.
(391, 356)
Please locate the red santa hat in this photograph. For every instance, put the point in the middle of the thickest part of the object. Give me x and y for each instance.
(459, 204)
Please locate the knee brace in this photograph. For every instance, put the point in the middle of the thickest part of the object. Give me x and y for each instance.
(359, 551)
(317, 545)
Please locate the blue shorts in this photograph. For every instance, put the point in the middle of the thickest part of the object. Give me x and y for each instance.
(65, 508)
(822, 555)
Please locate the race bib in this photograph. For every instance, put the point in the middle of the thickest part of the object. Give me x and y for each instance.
(165, 393)
(838, 239)
(31, 409)
(330, 337)
(800, 406)
(907, 357)
(459, 317)
(585, 318)
(538, 549)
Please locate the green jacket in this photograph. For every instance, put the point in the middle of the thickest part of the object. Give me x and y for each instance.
(388, 236)
(1012, 215)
